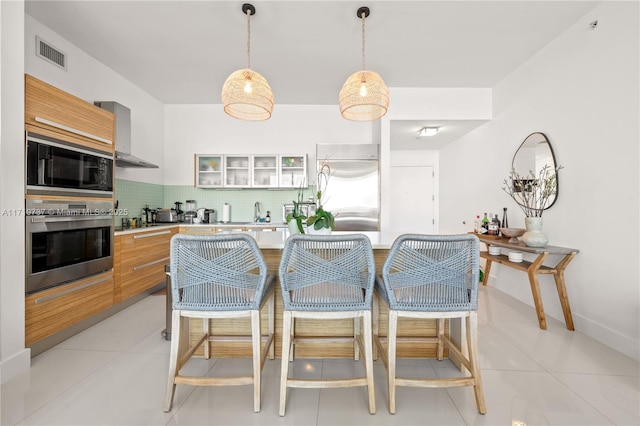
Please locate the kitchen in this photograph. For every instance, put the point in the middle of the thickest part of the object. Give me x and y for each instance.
(170, 134)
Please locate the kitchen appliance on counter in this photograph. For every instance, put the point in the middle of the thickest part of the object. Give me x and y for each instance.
(191, 211)
(207, 215)
(57, 167)
(353, 191)
(66, 241)
(307, 208)
(166, 216)
(179, 211)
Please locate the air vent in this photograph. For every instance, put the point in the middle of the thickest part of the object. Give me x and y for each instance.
(50, 54)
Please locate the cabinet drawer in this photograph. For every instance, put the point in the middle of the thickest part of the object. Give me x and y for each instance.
(50, 108)
(141, 260)
(50, 311)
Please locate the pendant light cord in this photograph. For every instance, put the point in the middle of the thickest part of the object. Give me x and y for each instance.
(249, 39)
(363, 15)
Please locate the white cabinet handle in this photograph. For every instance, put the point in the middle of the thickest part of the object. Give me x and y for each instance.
(146, 265)
(152, 234)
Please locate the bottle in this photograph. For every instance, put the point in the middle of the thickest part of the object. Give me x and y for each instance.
(268, 217)
(505, 222)
(485, 225)
(495, 222)
(477, 224)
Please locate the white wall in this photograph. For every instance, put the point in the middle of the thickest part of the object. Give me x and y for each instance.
(582, 92)
(14, 358)
(92, 81)
(292, 129)
(425, 104)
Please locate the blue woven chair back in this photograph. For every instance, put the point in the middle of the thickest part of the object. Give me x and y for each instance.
(217, 272)
(432, 273)
(327, 273)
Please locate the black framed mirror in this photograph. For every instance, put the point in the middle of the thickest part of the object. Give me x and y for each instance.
(532, 156)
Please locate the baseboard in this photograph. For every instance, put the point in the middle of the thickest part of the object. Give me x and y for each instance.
(15, 365)
(599, 332)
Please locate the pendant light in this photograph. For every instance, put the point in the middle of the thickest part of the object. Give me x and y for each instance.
(246, 95)
(364, 96)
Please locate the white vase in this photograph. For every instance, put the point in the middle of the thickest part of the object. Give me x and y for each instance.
(293, 227)
(534, 236)
(321, 231)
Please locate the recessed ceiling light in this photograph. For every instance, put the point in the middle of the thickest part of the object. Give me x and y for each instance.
(428, 131)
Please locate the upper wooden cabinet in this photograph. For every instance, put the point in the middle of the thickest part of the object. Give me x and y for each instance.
(52, 109)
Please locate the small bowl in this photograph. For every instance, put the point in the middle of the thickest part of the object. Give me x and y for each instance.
(196, 220)
(512, 233)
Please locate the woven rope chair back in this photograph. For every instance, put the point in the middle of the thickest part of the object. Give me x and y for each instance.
(432, 273)
(216, 272)
(327, 273)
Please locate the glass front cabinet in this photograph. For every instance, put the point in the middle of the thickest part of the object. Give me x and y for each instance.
(265, 171)
(209, 171)
(293, 171)
(250, 171)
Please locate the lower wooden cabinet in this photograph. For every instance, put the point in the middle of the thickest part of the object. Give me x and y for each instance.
(140, 261)
(50, 311)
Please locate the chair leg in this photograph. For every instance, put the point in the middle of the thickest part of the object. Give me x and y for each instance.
(375, 312)
(368, 360)
(173, 359)
(356, 333)
(391, 359)
(440, 331)
(256, 339)
(205, 330)
(287, 324)
(472, 343)
(272, 321)
(292, 334)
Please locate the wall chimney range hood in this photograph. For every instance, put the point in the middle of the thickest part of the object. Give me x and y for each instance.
(123, 136)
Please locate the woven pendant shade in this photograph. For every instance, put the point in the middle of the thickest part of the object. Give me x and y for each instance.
(246, 95)
(364, 97)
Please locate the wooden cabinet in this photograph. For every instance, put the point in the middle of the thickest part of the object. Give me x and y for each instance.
(293, 171)
(50, 109)
(143, 256)
(250, 171)
(50, 311)
(199, 230)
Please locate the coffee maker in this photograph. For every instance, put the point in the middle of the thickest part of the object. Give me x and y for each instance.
(179, 212)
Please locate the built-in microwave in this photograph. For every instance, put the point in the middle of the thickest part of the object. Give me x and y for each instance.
(58, 167)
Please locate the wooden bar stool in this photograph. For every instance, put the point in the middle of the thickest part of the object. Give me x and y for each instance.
(326, 277)
(432, 276)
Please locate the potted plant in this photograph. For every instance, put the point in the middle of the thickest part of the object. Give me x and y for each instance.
(295, 218)
(322, 221)
(533, 193)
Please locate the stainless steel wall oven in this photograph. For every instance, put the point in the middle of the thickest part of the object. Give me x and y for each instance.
(67, 241)
(58, 167)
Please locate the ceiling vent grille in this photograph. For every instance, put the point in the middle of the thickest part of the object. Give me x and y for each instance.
(50, 54)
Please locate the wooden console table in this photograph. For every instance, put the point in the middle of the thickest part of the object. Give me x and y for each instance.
(533, 269)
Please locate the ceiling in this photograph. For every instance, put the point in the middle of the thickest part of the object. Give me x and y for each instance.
(181, 52)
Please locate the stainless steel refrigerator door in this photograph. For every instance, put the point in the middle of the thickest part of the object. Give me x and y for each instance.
(353, 194)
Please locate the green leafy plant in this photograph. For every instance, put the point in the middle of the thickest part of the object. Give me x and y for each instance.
(322, 218)
(296, 214)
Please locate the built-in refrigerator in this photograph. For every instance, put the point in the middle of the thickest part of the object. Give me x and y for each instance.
(353, 190)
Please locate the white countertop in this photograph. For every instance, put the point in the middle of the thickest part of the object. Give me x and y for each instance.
(274, 239)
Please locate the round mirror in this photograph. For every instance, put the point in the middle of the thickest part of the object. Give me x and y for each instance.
(535, 156)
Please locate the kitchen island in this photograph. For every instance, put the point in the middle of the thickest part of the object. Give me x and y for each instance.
(271, 245)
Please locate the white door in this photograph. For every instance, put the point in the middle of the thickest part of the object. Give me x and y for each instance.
(412, 199)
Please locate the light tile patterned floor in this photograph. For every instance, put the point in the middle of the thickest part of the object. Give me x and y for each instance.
(115, 374)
